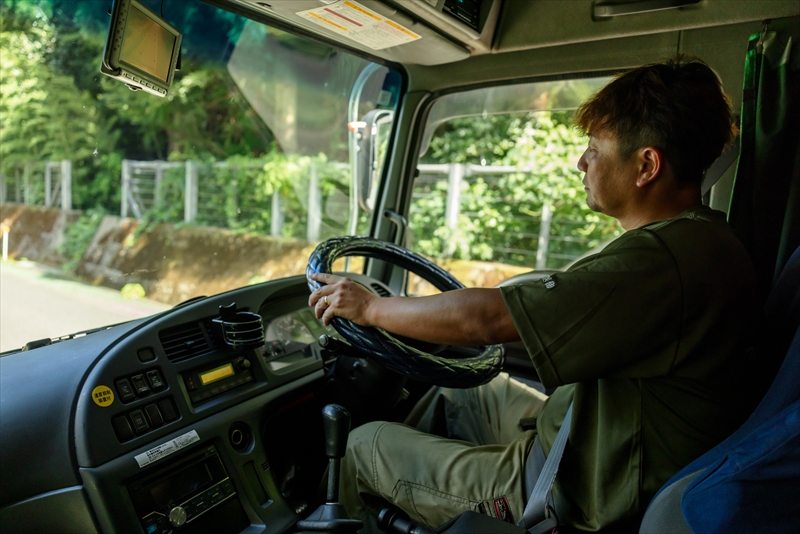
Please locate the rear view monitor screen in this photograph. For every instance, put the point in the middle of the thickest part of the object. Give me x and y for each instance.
(147, 45)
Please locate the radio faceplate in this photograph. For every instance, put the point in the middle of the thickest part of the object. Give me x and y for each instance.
(210, 381)
(174, 496)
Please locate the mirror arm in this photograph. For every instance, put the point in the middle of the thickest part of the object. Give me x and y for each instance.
(402, 224)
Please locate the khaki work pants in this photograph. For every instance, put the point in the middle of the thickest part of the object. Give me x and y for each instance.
(467, 452)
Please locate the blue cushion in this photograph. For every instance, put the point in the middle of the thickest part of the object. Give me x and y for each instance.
(755, 487)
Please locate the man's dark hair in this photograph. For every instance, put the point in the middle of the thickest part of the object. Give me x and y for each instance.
(677, 106)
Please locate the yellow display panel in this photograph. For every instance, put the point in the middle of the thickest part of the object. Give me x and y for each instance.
(218, 373)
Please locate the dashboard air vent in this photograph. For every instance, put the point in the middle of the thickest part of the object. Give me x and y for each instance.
(380, 290)
(184, 341)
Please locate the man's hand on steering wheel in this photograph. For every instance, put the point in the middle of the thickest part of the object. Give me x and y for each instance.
(375, 327)
(341, 297)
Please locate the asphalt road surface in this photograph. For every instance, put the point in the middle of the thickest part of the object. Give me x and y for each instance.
(37, 302)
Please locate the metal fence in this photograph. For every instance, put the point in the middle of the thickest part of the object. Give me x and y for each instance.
(47, 183)
(229, 196)
(541, 239)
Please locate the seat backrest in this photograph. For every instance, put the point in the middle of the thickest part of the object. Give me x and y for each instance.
(666, 511)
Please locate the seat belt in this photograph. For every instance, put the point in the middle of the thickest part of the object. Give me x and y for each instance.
(538, 510)
(720, 166)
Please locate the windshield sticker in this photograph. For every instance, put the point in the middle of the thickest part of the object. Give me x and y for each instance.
(165, 449)
(103, 396)
(360, 24)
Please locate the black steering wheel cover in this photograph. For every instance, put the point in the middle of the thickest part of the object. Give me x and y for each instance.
(379, 344)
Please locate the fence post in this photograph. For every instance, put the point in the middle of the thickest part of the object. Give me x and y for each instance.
(27, 183)
(126, 184)
(66, 184)
(276, 219)
(452, 207)
(17, 186)
(159, 179)
(544, 237)
(48, 184)
(314, 205)
(191, 194)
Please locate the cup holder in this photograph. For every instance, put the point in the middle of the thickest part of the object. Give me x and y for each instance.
(240, 437)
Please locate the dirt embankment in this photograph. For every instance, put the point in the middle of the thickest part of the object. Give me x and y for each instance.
(175, 263)
(35, 232)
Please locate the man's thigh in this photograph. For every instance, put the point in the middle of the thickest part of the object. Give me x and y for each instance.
(485, 415)
(434, 479)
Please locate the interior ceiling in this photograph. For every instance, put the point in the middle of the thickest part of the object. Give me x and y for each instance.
(526, 24)
(517, 25)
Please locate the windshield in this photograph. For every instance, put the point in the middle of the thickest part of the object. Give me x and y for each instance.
(229, 180)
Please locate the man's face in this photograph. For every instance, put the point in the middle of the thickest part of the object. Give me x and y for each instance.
(609, 180)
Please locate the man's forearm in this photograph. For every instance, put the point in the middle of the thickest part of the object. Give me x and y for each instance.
(467, 317)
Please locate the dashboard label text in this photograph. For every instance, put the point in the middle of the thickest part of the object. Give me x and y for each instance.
(165, 449)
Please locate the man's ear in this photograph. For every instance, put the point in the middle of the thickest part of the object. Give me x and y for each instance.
(651, 165)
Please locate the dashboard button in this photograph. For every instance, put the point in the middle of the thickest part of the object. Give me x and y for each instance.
(154, 415)
(139, 422)
(140, 385)
(122, 428)
(125, 390)
(146, 355)
(154, 377)
(168, 410)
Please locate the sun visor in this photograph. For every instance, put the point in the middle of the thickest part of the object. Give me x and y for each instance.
(372, 26)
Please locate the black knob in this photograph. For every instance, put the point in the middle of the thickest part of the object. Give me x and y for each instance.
(243, 364)
(336, 421)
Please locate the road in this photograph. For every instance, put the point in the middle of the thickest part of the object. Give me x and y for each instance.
(37, 302)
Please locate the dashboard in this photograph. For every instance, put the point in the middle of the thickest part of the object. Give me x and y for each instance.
(156, 426)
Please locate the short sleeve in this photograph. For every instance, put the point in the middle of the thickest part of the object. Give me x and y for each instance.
(616, 314)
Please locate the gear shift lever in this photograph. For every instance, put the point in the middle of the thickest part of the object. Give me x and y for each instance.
(331, 517)
(336, 422)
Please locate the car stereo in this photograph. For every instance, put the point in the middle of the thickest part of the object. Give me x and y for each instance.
(178, 494)
(207, 382)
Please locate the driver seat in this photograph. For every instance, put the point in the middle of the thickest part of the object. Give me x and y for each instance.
(748, 482)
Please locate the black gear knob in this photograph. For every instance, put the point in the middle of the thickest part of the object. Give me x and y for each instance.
(336, 422)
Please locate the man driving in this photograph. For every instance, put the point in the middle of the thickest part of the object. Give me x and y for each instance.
(649, 340)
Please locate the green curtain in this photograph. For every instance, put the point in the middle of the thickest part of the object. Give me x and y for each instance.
(765, 202)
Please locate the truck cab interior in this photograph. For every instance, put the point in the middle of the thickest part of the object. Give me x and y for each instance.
(213, 406)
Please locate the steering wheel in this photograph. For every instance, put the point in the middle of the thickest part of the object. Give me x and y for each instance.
(387, 349)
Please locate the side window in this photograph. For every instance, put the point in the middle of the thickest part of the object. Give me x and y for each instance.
(498, 192)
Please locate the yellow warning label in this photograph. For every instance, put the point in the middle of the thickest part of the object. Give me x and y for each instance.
(103, 396)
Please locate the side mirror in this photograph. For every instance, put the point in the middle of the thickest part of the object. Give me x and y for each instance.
(372, 133)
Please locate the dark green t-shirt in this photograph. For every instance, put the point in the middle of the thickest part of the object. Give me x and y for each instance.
(652, 339)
